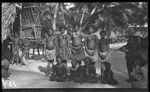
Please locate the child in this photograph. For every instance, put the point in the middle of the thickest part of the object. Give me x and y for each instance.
(74, 73)
(103, 45)
(50, 50)
(89, 71)
(108, 75)
(59, 71)
(64, 61)
(103, 49)
(66, 77)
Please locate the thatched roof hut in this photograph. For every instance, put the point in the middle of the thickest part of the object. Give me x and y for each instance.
(11, 15)
(8, 17)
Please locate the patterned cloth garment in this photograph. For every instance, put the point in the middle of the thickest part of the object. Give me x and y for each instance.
(63, 52)
(95, 57)
(104, 56)
(50, 54)
(79, 55)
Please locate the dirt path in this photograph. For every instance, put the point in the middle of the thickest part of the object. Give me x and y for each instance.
(28, 79)
(30, 76)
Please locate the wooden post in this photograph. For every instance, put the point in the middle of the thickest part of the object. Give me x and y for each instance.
(20, 24)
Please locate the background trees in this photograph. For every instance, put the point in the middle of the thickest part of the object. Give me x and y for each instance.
(81, 16)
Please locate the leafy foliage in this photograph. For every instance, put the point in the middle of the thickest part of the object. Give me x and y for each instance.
(84, 16)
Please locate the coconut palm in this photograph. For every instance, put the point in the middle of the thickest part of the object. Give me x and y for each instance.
(98, 15)
(104, 15)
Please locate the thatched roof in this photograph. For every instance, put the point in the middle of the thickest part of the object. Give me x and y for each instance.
(28, 18)
(8, 17)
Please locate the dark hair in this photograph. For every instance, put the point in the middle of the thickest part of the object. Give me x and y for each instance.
(103, 32)
(64, 61)
(78, 61)
(107, 65)
(58, 57)
(89, 60)
(73, 63)
(52, 60)
(92, 63)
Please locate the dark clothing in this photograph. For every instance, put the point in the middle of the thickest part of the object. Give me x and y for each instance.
(75, 75)
(89, 74)
(135, 54)
(144, 42)
(108, 77)
(59, 73)
(6, 53)
(76, 54)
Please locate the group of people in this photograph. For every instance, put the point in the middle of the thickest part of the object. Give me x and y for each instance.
(82, 55)
(90, 51)
(93, 50)
(78, 72)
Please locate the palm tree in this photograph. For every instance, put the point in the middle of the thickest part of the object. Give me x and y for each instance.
(105, 15)
(98, 15)
(95, 15)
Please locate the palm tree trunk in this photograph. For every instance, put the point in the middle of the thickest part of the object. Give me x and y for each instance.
(81, 22)
(55, 15)
(63, 14)
(93, 10)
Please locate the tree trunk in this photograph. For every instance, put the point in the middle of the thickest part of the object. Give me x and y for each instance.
(63, 14)
(55, 15)
(80, 29)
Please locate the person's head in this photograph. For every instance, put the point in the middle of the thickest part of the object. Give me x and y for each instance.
(80, 63)
(107, 65)
(103, 34)
(62, 30)
(58, 59)
(64, 60)
(51, 61)
(87, 61)
(92, 64)
(73, 63)
(51, 32)
(76, 28)
(133, 41)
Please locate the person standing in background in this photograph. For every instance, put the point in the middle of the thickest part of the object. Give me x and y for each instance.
(103, 50)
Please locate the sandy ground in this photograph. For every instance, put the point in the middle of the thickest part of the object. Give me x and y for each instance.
(28, 79)
(31, 77)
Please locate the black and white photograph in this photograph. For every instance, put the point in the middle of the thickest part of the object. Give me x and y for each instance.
(74, 45)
